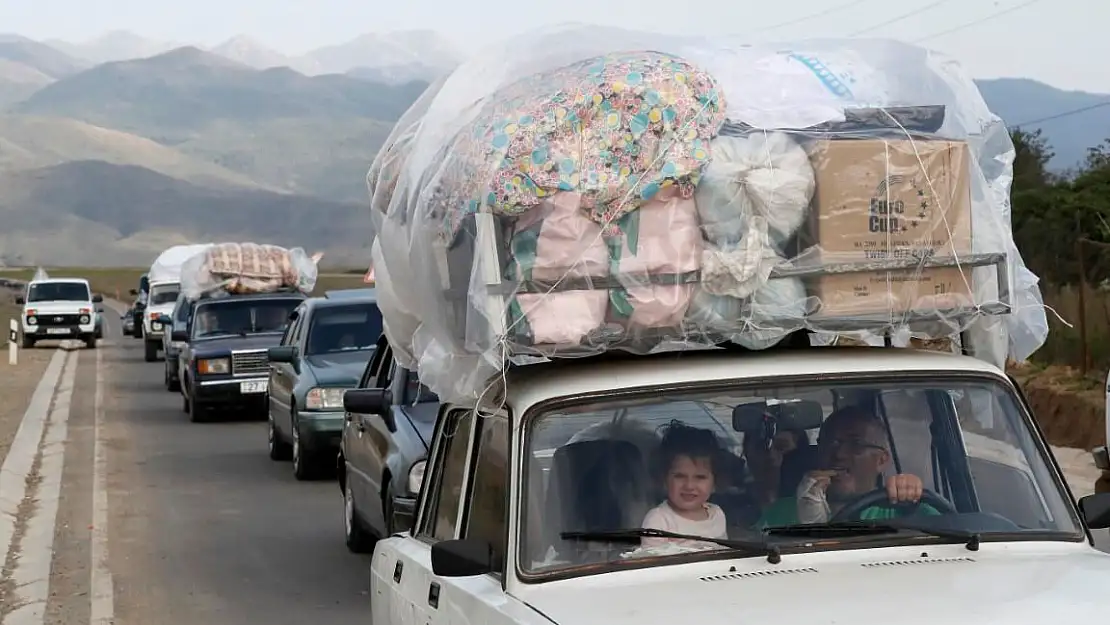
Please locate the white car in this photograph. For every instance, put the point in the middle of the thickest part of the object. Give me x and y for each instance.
(522, 520)
(160, 303)
(59, 308)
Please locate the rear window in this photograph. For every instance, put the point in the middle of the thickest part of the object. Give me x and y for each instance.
(349, 327)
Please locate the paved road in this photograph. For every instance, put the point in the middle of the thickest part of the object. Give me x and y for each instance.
(202, 527)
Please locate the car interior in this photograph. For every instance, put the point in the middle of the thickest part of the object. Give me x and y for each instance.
(592, 470)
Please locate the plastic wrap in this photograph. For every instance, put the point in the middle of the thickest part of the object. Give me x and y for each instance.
(167, 267)
(247, 268)
(587, 189)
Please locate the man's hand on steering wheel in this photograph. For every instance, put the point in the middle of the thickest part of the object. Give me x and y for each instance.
(904, 488)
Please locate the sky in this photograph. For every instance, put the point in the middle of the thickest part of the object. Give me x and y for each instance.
(1041, 39)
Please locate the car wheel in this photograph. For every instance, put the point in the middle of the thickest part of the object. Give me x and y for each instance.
(150, 351)
(28, 342)
(305, 464)
(90, 342)
(357, 538)
(279, 449)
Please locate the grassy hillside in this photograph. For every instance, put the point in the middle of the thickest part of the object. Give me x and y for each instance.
(33, 142)
(91, 211)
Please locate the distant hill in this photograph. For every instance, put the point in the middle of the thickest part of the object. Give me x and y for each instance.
(1021, 100)
(113, 203)
(172, 96)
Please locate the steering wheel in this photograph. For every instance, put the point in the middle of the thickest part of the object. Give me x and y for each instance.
(880, 498)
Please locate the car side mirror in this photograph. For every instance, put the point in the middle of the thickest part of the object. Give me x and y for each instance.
(19, 300)
(99, 309)
(282, 353)
(374, 401)
(133, 292)
(464, 557)
(179, 336)
(97, 298)
(1096, 510)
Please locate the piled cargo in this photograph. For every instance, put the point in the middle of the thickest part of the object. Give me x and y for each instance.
(598, 190)
(167, 267)
(247, 268)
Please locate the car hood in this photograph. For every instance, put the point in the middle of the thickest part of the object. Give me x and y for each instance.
(63, 306)
(229, 343)
(1010, 583)
(339, 368)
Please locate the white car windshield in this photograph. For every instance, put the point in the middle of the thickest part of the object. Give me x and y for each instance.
(58, 291)
(164, 294)
(772, 465)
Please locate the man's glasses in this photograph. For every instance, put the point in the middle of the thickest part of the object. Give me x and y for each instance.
(852, 445)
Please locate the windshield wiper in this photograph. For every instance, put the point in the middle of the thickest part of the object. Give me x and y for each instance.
(774, 556)
(870, 528)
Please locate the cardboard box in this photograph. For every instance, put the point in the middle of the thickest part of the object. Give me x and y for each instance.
(878, 200)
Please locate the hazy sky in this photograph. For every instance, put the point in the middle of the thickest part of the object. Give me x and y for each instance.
(1055, 41)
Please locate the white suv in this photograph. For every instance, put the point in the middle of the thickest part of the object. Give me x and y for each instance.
(59, 308)
(161, 301)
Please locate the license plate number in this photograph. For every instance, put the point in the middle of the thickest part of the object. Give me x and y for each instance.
(253, 387)
(57, 330)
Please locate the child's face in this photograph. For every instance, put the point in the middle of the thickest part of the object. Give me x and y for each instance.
(689, 483)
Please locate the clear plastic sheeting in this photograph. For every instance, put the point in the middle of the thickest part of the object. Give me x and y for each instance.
(167, 267)
(247, 268)
(586, 189)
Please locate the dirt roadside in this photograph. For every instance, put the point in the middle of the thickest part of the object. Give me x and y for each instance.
(18, 381)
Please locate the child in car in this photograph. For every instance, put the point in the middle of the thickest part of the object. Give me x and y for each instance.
(687, 456)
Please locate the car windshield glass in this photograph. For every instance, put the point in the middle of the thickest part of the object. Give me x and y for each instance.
(349, 327)
(164, 294)
(181, 311)
(58, 291)
(779, 465)
(244, 316)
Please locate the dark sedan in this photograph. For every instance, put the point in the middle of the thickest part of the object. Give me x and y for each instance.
(325, 351)
(222, 358)
(388, 427)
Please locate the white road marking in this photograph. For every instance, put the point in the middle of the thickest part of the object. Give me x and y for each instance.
(101, 586)
(25, 447)
(36, 549)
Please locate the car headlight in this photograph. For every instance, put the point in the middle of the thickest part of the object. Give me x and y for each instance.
(83, 319)
(32, 320)
(416, 477)
(213, 365)
(325, 399)
(154, 325)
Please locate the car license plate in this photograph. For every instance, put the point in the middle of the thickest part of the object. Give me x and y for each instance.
(57, 330)
(253, 387)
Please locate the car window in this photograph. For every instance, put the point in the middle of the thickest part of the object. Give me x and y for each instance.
(384, 377)
(350, 327)
(603, 465)
(181, 312)
(163, 294)
(445, 491)
(228, 317)
(290, 332)
(489, 486)
(58, 291)
(417, 393)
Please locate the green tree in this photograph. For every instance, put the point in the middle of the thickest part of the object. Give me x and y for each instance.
(1031, 156)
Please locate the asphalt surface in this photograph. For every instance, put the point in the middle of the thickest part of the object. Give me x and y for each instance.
(203, 526)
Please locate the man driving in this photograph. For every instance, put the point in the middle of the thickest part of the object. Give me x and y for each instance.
(852, 452)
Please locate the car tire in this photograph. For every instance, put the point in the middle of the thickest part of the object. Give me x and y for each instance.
(171, 384)
(90, 342)
(357, 538)
(279, 449)
(150, 351)
(306, 465)
(28, 342)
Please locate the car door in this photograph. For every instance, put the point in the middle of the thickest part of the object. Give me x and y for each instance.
(361, 453)
(374, 444)
(283, 378)
(403, 589)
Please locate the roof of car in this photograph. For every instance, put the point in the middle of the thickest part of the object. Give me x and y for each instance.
(238, 297)
(348, 294)
(530, 384)
(48, 280)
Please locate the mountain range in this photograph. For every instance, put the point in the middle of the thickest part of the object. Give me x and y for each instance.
(113, 149)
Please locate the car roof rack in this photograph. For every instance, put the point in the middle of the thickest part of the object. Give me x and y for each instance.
(220, 293)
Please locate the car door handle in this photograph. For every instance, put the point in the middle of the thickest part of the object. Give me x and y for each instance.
(397, 572)
(433, 595)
